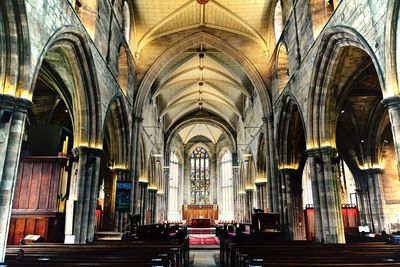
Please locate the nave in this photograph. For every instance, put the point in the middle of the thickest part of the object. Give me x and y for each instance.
(127, 126)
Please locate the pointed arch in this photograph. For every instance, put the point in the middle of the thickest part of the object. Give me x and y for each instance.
(334, 40)
(73, 46)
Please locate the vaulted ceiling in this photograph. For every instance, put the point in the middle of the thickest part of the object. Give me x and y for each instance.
(202, 77)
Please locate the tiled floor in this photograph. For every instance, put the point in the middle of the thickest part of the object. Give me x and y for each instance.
(204, 257)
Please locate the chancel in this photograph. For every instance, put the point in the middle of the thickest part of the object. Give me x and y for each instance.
(199, 132)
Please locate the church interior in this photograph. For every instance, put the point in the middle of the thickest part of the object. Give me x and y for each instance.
(199, 133)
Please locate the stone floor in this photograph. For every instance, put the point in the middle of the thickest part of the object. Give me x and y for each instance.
(204, 257)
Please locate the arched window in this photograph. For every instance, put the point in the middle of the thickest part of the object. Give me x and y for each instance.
(123, 69)
(173, 196)
(278, 20)
(87, 12)
(282, 68)
(321, 10)
(226, 187)
(199, 176)
(126, 22)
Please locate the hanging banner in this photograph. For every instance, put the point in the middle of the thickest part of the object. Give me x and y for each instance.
(123, 196)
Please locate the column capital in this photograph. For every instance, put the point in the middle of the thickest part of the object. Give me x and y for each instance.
(76, 151)
(391, 102)
(288, 171)
(372, 171)
(120, 170)
(268, 118)
(319, 151)
(14, 103)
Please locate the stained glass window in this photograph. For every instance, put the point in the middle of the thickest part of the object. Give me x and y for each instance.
(199, 177)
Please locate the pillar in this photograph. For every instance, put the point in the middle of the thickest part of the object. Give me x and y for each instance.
(373, 190)
(326, 195)
(273, 189)
(249, 204)
(142, 200)
(135, 195)
(11, 133)
(393, 106)
(81, 204)
(151, 206)
(286, 210)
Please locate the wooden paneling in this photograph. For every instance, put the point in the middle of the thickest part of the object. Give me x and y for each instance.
(200, 211)
(35, 209)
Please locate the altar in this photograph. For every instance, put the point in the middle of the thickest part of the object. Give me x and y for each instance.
(202, 211)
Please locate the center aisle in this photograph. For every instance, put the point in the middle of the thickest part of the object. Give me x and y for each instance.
(204, 257)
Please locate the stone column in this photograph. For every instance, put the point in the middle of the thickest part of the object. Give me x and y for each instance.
(109, 201)
(11, 133)
(152, 204)
(363, 206)
(375, 199)
(249, 204)
(326, 195)
(393, 105)
(286, 206)
(273, 189)
(142, 200)
(135, 194)
(81, 204)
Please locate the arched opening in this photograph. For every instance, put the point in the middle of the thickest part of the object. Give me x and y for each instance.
(293, 171)
(114, 200)
(123, 69)
(87, 12)
(282, 68)
(278, 20)
(226, 183)
(364, 140)
(321, 10)
(174, 188)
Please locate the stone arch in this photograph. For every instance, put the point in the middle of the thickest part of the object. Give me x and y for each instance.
(117, 131)
(290, 129)
(85, 95)
(124, 68)
(211, 41)
(320, 126)
(392, 42)
(15, 49)
(170, 133)
(194, 146)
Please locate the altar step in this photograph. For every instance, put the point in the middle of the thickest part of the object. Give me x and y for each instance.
(196, 231)
(110, 236)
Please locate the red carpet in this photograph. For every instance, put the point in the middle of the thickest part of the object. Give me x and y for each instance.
(201, 231)
(199, 239)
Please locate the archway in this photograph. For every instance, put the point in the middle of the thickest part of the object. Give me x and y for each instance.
(115, 201)
(292, 160)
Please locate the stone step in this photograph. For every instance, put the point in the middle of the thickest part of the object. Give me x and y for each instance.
(110, 235)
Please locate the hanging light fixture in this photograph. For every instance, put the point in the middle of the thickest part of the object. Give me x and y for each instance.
(202, 2)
